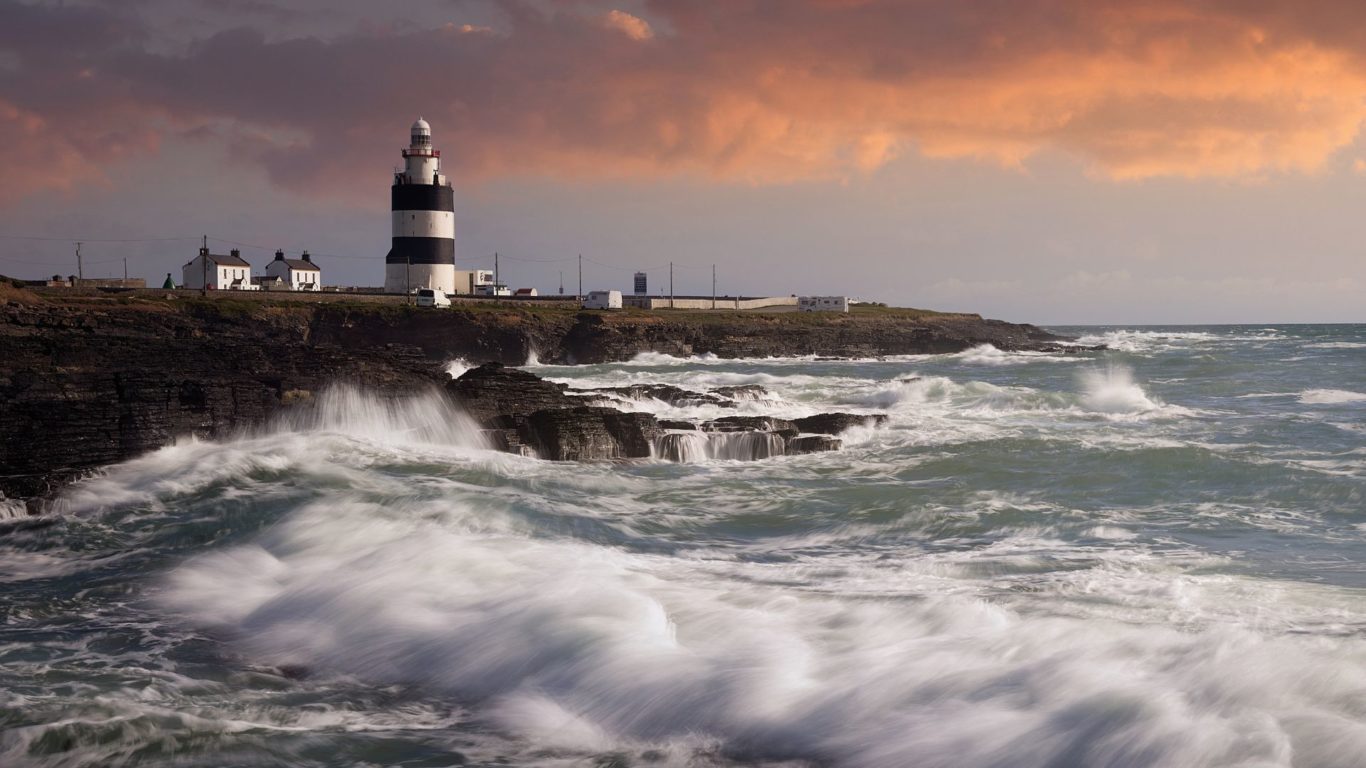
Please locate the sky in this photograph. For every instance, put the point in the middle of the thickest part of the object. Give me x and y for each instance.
(1048, 161)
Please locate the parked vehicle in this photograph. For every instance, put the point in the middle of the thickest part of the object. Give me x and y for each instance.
(428, 297)
(602, 300)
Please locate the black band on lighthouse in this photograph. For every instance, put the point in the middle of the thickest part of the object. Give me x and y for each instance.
(422, 250)
(421, 197)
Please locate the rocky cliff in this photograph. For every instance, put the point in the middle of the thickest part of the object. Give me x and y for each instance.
(86, 381)
(557, 335)
(523, 413)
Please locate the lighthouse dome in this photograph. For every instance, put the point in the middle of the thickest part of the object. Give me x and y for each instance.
(422, 128)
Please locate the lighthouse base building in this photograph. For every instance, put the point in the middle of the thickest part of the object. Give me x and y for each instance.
(422, 254)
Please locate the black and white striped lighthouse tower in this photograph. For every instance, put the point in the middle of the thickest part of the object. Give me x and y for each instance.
(423, 205)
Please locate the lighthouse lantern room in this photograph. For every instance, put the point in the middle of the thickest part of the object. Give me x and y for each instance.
(423, 208)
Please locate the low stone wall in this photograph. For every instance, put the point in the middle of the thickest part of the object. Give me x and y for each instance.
(303, 297)
(375, 297)
(707, 302)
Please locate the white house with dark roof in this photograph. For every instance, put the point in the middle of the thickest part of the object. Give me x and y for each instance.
(297, 274)
(222, 273)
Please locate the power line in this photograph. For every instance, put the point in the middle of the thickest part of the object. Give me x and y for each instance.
(268, 250)
(9, 260)
(366, 257)
(535, 261)
(95, 239)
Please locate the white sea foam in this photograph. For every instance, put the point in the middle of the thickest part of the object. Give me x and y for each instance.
(1113, 390)
(429, 418)
(457, 367)
(1331, 397)
(1112, 532)
(302, 439)
(11, 509)
(1070, 641)
(899, 603)
(1110, 392)
(585, 648)
(1338, 345)
(1147, 341)
(986, 354)
(653, 359)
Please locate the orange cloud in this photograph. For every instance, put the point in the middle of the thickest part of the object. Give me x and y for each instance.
(745, 90)
(35, 157)
(632, 26)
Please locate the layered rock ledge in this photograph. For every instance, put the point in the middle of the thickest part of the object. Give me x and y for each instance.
(522, 413)
(86, 381)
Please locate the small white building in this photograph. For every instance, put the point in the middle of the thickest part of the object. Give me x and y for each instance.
(222, 273)
(491, 289)
(297, 274)
(602, 300)
(468, 282)
(823, 304)
(525, 292)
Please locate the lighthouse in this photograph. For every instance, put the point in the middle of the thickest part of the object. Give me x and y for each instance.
(423, 251)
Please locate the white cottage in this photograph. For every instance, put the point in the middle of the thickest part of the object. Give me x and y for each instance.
(297, 274)
(222, 273)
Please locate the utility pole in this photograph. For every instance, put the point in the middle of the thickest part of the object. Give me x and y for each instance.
(495, 273)
(204, 268)
(671, 285)
(562, 282)
(80, 271)
(408, 277)
(125, 271)
(713, 286)
(580, 296)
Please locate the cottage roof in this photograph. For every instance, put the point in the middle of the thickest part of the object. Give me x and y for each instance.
(228, 261)
(301, 265)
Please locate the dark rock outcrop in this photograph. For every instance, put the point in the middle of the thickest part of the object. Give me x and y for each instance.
(589, 434)
(494, 390)
(604, 337)
(777, 426)
(524, 413)
(813, 444)
(835, 423)
(86, 386)
(667, 393)
(678, 425)
(741, 392)
(89, 380)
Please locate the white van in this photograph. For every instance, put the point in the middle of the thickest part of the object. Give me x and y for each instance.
(429, 297)
(602, 300)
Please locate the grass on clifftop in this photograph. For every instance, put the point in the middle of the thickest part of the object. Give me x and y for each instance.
(244, 307)
(778, 317)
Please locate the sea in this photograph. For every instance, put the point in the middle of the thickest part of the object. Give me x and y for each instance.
(1152, 555)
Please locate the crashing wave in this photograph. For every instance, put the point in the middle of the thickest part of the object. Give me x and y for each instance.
(1331, 397)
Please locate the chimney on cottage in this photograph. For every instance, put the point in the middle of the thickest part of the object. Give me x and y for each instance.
(236, 254)
(279, 255)
(308, 258)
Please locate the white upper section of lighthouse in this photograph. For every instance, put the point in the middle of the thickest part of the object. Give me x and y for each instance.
(422, 163)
